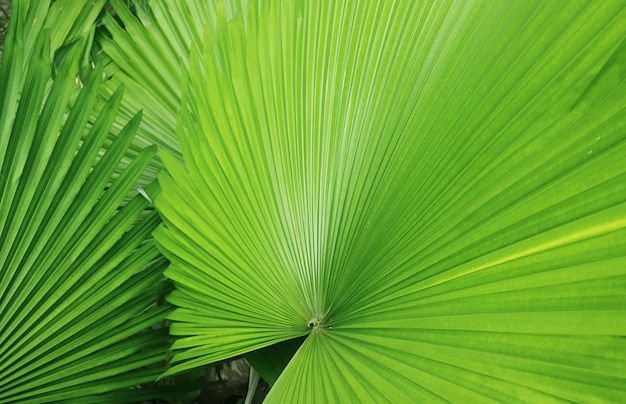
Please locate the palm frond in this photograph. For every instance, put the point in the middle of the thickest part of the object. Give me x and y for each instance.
(433, 192)
(148, 52)
(78, 271)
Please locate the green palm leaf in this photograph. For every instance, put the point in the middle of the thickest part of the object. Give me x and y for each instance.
(149, 53)
(433, 192)
(78, 271)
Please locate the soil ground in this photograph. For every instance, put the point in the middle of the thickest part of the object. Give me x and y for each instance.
(5, 11)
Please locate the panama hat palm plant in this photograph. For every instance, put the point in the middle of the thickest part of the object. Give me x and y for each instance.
(372, 201)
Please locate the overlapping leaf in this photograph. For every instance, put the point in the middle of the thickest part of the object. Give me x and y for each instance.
(78, 271)
(434, 192)
(149, 54)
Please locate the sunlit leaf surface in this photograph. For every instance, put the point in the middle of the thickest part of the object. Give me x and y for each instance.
(433, 192)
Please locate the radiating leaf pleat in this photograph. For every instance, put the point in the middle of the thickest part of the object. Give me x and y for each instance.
(432, 191)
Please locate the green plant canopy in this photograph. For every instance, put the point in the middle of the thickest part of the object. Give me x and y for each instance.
(432, 192)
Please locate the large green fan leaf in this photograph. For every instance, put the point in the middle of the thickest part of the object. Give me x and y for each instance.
(78, 271)
(433, 192)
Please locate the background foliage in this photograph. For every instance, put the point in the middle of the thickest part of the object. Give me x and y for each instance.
(80, 274)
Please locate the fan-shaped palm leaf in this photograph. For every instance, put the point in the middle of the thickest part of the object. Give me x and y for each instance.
(433, 192)
(78, 272)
